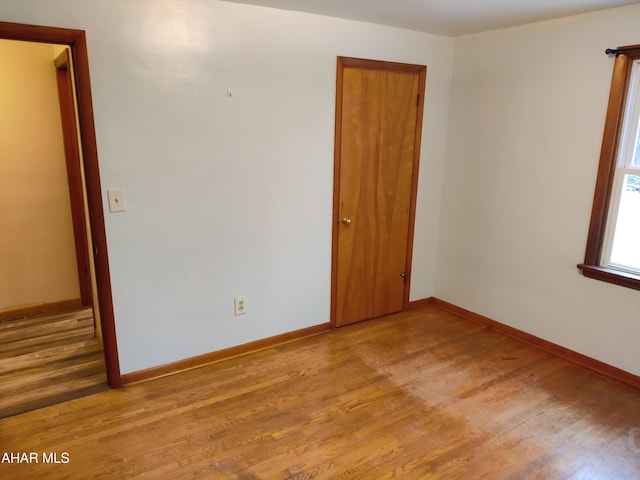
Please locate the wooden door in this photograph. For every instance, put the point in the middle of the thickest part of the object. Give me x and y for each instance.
(378, 129)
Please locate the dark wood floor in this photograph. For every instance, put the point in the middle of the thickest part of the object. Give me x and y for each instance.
(416, 395)
(49, 359)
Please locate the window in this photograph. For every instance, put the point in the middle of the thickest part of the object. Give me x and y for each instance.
(613, 245)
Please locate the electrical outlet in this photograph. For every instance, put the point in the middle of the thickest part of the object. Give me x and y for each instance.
(240, 305)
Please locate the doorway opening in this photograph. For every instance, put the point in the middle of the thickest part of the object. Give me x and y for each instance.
(92, 289)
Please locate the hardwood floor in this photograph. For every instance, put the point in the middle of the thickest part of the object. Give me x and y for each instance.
(49, 359)
(415, 395)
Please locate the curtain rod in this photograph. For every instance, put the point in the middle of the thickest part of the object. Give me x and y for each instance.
(621, 50)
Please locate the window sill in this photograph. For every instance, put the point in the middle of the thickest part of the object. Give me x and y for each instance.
(610, 275)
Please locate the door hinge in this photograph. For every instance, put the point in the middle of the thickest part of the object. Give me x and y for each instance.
(405, 276)
(418, 101)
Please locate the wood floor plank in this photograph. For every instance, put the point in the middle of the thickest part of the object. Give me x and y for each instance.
(38, 325)
(36, 344)
(415, 395)
(49, 359)
(19, 359)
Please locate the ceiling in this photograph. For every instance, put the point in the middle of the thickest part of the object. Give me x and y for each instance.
(443, 17)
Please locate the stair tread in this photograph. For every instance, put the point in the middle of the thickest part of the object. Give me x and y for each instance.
(49, 359)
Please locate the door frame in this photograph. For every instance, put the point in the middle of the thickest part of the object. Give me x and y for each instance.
(76, 40)
(74, 172)
(421, 71)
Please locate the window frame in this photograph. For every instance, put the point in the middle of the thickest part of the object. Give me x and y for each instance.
(614, 124)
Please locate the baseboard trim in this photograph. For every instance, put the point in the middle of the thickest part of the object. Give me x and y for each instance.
(537, 342)
(420, 304)
(224, 354)
(24, 311)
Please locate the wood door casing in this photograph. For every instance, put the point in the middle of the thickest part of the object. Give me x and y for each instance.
(378, 128)
(74, 172)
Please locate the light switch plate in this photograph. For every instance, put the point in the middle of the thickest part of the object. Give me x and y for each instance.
(116, 199)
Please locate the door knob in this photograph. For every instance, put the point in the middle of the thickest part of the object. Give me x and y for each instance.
(346, 221)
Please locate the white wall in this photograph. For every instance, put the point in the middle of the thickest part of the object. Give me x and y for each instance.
(526, 122)
(229, 196)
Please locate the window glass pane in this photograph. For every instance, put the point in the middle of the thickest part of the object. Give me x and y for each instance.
(630, 147)
(626, 241)
(636, 152)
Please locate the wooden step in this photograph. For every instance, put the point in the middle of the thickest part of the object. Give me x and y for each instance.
(18, 358)
(45, 399)
(19, 381)
(49, 359)
(45, 325)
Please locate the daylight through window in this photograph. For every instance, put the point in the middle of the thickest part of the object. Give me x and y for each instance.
(622, 247)
(613, 246)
